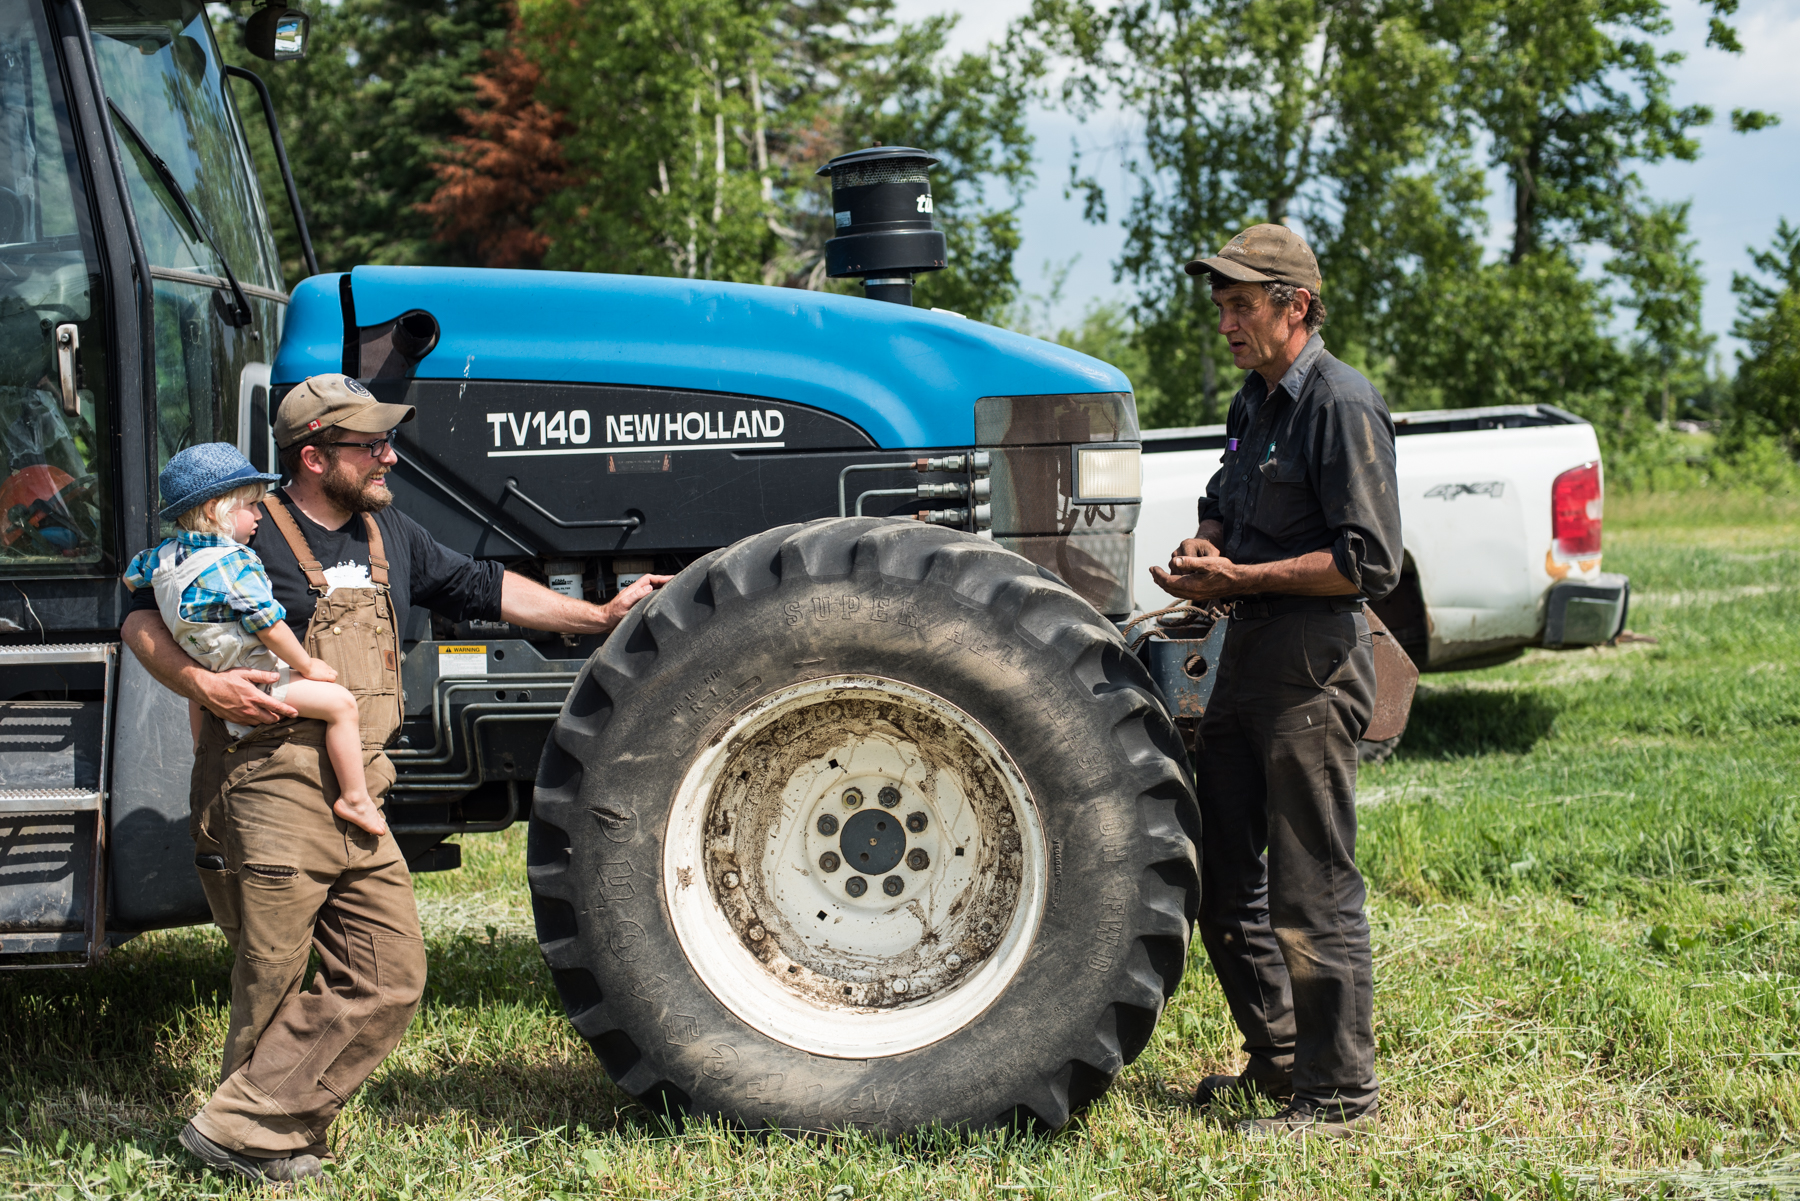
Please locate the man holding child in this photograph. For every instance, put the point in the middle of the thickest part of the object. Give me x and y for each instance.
(290, 858)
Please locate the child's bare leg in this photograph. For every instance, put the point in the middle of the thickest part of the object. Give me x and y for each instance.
(195, 721)
(335, 706)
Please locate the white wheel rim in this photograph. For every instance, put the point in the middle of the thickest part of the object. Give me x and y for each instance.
(746, 880)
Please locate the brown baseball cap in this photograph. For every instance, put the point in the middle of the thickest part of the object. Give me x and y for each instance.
(334, 402)
(1263, 254)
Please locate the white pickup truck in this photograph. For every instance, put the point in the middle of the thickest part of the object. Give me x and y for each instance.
(1500, 512)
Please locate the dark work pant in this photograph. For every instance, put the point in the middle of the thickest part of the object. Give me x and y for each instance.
(1281, 901)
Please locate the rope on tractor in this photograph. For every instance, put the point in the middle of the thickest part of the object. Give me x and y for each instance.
(1182, 613)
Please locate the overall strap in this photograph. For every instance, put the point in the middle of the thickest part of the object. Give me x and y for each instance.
(190, 568)
(378, 564)
(284, 521)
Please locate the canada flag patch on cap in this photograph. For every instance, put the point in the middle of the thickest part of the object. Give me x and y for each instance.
(312, 425)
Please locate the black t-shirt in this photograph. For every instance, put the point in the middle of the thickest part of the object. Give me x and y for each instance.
(421, 570)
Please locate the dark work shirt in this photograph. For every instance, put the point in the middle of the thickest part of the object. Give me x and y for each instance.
(421, 570)
(1313, 470)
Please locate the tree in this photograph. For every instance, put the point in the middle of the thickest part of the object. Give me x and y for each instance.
(660, 98)
(1259, 110)
(1655, 261)
(1569, 94)
(366, 115)
(1534, 332)
(691, 131)
(493, 182)
(1362, 123)
(1767, 394)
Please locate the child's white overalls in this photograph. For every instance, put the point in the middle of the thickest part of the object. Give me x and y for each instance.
(215, 645)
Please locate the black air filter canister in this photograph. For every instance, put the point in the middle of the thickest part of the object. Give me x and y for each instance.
(881, 199)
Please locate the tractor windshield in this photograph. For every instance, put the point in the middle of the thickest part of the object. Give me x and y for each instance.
(162, 70)
(200, 215)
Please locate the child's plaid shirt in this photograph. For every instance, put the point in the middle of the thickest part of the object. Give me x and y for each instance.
(235, 588)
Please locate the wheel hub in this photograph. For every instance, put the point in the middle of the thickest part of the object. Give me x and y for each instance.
(855, 867)
(873, 842)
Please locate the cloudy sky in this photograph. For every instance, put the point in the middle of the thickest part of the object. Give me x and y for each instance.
(1740, 187)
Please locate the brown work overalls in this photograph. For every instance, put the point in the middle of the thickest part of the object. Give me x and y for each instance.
(283, 874)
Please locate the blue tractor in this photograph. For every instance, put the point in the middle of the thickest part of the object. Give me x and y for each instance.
(869, 818)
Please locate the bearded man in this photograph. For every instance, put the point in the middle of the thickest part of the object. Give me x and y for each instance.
(283, 874)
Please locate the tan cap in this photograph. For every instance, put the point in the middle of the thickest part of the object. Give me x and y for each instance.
(334, 402)
(1263, 254)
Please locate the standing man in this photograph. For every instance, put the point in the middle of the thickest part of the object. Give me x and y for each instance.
(282, 873)
(1298, 529)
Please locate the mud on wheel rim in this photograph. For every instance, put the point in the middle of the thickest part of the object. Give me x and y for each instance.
(854, 867)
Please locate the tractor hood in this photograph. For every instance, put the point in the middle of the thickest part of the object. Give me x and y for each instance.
(907, 377)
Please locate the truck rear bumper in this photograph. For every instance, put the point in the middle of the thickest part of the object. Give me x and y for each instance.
(1586, 612)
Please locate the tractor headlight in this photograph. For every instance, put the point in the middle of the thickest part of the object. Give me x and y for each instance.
(1108, 475)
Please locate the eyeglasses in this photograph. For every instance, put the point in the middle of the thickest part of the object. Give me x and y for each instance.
(376, 449)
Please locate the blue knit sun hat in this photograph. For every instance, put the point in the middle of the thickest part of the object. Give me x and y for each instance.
(200, 473)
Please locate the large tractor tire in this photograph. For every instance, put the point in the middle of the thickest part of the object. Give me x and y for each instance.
(863, 823)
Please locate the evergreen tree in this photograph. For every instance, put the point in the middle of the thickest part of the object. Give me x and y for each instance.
(1766, 399)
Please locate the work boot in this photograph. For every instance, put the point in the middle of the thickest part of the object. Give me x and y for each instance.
(287, 1169)
(1239, 1088)
(1302, 1119)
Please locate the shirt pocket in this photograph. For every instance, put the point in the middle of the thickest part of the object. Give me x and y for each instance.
(1284, 504)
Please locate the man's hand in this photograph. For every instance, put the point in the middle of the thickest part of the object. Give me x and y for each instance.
(1214, 577)
(1203, 545)
(528, 603)
(1192, 548)
(1199, 577)
(616, 608)
(232, 695)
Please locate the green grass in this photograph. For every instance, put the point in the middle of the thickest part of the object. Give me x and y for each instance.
(1587, 944)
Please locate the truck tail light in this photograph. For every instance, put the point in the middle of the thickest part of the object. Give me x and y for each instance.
(1576, 502)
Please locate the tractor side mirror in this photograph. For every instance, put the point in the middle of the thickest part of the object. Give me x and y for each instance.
(277, 33)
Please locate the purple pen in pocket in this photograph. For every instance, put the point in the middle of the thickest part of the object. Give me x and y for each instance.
(1231, 444)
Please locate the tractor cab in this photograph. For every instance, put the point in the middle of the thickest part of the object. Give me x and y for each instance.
(141, 300)
(140, 293)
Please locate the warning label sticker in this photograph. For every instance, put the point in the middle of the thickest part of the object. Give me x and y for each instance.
(462, 660)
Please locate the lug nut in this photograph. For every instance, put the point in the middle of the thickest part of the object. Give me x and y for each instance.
(917, 859)
(893, 886)
(827, 824)
(731, 879)
(898, 986)
(888, 796)
(756, 933)
(852, 797)
(829, 862)
(953, 961)
(916, 822)
(1006, 817)
(856, 886)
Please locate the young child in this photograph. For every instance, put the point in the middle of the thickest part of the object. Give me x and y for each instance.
(216, 600)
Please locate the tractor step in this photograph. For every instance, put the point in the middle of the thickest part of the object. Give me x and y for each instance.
(48, 800)
(53, 773)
